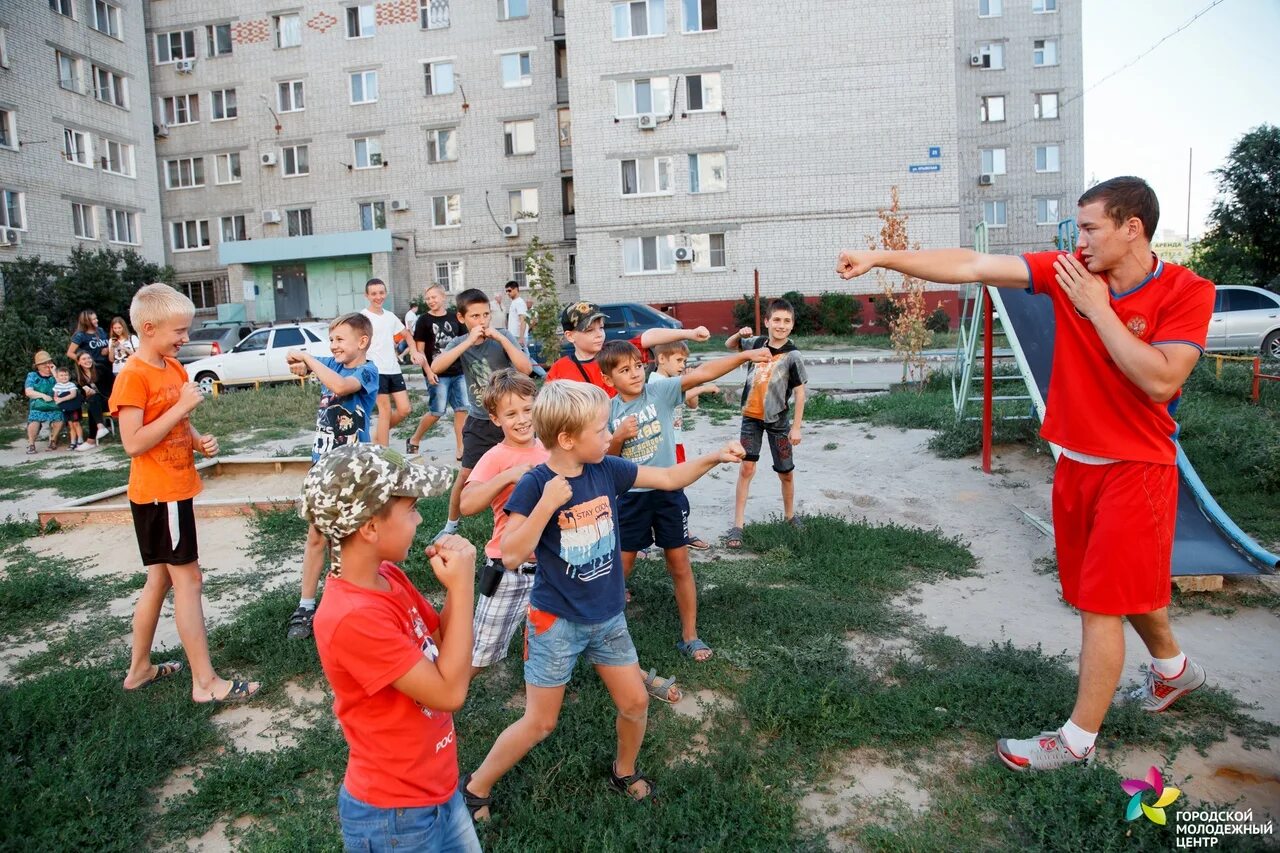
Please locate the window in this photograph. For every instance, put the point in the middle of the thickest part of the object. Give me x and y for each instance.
(708, 251)
(1044, 52)
(222, 104)
(639, 18)
(189, 236)
(704, 92)
(68, 72)
(298, 221)
(285, 338)
(700, 16)
(109, 87)
(990, 8)
(180, 109)
(176, 45)
(289, 93)
(508, 9)
(360, 21)
(1238, 299)
(564, 124)
(122, 226)
(518, 137)
(8, 130)
(63, 7)
(993, 213)
(12, 205)
(373, 214)
(993, 161)
(364, 87)
(707, 173)
(218, 38)
(523, 204)
(442, 145)
(646, 176)
(84, 221)
(648, 254)
(226, 168)
(233, 228)
(1047, 211)
(645, 95)
(439, 76)
(77, 147)
(255, 342)
(1048, 158)
(449, 275)
(1041, 7)
(433, 14)
(517, 70)
(518, 274)
(4, 48)
(295, 161)
(992, 108)
(573, 270)
(368, 152)
(117, 157)
(992, 54)
(446, 211)
(288, 30)
(184, 173)
(106, 18)
(1046, 105)
(203, 295)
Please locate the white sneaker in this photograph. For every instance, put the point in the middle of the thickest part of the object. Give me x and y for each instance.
(1046, 751)
(103, 432)
(87, 447)
(1158, 692)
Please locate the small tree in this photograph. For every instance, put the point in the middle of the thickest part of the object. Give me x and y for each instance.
(544, 298)
(907, 332)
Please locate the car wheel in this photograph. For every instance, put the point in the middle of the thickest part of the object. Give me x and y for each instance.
(1271, 346)
(206, 381)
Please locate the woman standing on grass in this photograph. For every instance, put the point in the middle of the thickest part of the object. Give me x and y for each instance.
(90, 338)
(89, 378)
(42, 410)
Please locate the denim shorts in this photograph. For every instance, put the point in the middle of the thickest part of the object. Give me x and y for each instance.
(449, 392)
(446, 827)
(552, 645)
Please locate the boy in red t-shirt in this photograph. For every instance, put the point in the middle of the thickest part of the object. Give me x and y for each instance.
(397, 668)
(1128, 329)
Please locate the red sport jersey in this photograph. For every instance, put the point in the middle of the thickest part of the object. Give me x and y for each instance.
(1093, 408)
(568, 367)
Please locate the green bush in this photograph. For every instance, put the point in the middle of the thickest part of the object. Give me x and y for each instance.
(744, 312)
(887, 310)
(939, 321)
(806, 314)
(838, 313)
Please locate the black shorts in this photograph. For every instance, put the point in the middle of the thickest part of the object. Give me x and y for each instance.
(477, 437)
(779, 431)
(158, 525)
(391, 383)
(653, 517)
(71, 416)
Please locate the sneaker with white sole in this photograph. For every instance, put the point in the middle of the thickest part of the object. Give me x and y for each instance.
(1159, 692)
(103, 432)
(1046, 751)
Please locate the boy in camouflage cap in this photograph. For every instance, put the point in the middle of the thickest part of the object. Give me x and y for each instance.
(397, 668)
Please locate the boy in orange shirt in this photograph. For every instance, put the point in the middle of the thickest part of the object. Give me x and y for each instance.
(152, 400)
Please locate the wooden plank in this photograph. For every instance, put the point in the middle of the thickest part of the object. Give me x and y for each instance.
(1198, 583)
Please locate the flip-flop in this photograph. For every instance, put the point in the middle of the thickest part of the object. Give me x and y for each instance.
(690, 648)
(660, 688)
(697, 544)
(239, 692)
(733, 539)
(163, 670)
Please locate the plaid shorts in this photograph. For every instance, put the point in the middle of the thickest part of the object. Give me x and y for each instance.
(498, 615)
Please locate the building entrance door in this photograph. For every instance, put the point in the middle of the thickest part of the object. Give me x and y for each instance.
(290, 287)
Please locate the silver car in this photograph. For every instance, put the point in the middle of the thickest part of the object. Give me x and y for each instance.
(1245, 318)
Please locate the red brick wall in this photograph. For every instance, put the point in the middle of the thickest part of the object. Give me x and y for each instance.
(718, 315)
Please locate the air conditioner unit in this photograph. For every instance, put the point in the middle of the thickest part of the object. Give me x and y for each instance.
(10, 237)
(400, 204)
(269, 158)
(270, 217)
(511, 229)
(683, 254)
(162, 130)
(648, 121)
(986, 179)
(185, 66)
(977, 60)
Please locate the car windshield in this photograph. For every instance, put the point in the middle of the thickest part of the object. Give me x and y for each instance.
(207, 334)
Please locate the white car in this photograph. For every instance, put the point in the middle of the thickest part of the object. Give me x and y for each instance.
(261, 356)
(1245, 318)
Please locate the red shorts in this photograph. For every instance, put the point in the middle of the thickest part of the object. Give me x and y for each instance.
(1113, 528)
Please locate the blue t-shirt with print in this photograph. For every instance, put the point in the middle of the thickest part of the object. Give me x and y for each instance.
(579, 564)
(344, 419)
(655, 409)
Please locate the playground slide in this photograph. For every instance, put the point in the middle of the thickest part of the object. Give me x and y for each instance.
(1206, 541)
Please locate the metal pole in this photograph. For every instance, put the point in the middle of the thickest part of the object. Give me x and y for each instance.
(1257, 379)
(757, 278)
(987, 384)
(1189, 150)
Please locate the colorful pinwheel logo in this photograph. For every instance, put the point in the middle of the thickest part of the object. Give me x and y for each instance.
(1154, 783)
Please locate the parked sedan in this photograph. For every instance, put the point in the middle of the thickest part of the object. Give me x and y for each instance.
(212, 339)
(261, 356)
(622, 322)
(1245, 318)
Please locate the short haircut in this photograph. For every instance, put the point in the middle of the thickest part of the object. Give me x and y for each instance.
(469, 297)
(158, 303)
(371, 282)
(513, 283)
(614, 354)
(670, 348)
(566, 407)
(59, 368)
(359, 323)
(435, 285)
(779, 305)
(1125, 197)
(504, 383)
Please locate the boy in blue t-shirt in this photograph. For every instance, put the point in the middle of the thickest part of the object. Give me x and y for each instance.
(347, 404)
(564, 511)
(642, 419)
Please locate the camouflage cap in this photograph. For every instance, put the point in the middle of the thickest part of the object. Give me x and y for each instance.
(351, 483)
(578, 316)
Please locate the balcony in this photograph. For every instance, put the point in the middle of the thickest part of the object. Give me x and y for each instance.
(566, 158)
(570, 227)
(562, 90)
(557, 25)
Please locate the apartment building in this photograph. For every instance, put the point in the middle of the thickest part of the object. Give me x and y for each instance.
(77, 165)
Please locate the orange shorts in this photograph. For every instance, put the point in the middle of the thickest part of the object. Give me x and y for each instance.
(1113, 527)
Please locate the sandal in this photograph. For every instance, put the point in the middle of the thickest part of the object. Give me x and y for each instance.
(53, 444)
(733, 539)
(411, 449)
(660, 688)
(474, 802)
(163, 670)
(690, 649)
(31, 449)
(622, 784)
(239, 692)
(697, 543)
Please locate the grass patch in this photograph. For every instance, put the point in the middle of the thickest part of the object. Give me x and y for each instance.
(37, 589)
(238, 417)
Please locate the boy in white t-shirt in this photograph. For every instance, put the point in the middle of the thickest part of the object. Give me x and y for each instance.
(387, 331)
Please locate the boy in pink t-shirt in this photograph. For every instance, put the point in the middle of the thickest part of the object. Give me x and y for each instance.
(504, 595)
